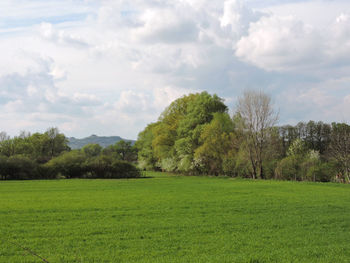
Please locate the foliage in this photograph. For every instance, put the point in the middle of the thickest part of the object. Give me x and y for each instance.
(194, 135)
(92, 150)
(106, 167)
(19, 167)
(69, 164)
(171, 143)
(38, 147)
(216, 140)
(47, 156)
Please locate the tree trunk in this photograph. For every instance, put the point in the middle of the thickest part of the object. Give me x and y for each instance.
(262, 175)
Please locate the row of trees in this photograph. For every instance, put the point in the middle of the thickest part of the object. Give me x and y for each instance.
(196, 135)
(47, 156)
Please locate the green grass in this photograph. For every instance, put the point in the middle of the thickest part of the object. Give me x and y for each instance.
(174, 219)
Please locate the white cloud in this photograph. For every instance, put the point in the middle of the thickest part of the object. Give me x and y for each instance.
(61, 37)
(167, 26)
(237, 16)
(111, 67)
(281, 43)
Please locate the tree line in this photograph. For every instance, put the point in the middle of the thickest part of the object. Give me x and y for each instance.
(196, 135)
(48, 156)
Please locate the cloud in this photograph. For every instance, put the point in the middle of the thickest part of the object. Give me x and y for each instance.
(36, 93)
(167, 26)
(111, 67)
(281, 43)
(237, 16)
(48, 32)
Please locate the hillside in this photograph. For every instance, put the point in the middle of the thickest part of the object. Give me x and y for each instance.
(104, 141)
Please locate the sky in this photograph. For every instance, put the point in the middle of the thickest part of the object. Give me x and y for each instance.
(110, 67)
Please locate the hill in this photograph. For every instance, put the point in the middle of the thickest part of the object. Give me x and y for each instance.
(104, 141)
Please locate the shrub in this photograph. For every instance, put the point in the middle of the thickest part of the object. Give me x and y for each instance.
(69, 164)
(122, 169)
(106, 167)
(323, 172)
(19, 167)
(98, 167)
(287, 169)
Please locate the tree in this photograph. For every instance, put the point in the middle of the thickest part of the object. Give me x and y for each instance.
(146, 157)
(339, 148)
(290, 167)
(200, 111)
(92, 150)
(126, 151)
(255, 108)
(4, 136)
(56, 142)
(217, 140)
(170, 143)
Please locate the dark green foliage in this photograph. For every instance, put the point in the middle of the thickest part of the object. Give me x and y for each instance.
(19, 167)
(316, 135)
(76, 164)
(322, 172)
(38, 147)
(47, 156)
(69, 164)
(92, 150)
(122, 169)
(106, 167)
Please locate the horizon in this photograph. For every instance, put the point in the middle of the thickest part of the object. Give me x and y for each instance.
(101, 67)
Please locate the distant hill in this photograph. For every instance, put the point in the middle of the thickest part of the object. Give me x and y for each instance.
(104, 141)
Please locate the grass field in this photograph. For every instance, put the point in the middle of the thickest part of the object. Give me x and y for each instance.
(174, 219)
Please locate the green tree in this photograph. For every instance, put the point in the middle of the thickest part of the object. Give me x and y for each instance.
(146, 157)
(92, 150)
(217, 139)
(126, 151)
(200, 111)
(55, 143)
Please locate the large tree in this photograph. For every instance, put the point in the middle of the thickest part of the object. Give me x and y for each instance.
(171, 142)
(258, 115)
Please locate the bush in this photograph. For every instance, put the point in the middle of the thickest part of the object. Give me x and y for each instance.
(287, 169)
(19, 167)
(69, 164)
(98, 167)
(228, 167)
(3, 167)
(106, 167)
(122, 169)
(323, 172)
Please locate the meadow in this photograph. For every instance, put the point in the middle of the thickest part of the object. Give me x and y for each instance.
(168, 218)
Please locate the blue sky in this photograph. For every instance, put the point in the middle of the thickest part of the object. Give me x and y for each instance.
(111, 67)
